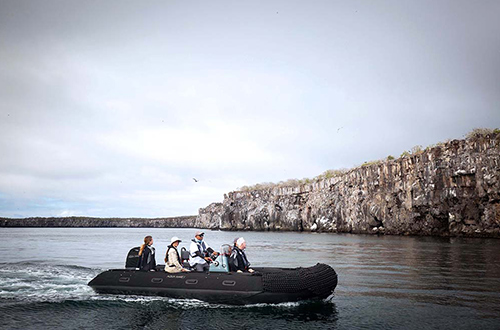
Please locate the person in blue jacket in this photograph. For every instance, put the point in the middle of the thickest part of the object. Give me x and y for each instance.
(147, 259)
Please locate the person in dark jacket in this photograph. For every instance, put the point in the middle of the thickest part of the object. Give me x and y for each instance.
(147, 260)
(238, 261)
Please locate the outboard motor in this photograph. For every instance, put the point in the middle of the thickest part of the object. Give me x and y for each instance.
(133, 258)
(221, 265)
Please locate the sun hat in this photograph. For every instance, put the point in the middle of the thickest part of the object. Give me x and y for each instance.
(175, 239)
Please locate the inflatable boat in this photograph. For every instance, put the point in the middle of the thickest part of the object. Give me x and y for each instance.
(219, 285)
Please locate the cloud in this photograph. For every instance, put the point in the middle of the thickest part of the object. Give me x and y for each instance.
(111, 110)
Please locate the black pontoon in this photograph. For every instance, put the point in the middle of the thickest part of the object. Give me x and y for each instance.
(219, 285)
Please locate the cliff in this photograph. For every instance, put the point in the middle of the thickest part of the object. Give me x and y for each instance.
(174, 222)
(448, 190)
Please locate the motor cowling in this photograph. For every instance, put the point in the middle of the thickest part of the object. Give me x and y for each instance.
(132, 260)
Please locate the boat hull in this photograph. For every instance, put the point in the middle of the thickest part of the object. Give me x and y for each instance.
(266, 285)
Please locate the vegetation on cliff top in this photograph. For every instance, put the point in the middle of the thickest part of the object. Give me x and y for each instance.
(328, 174)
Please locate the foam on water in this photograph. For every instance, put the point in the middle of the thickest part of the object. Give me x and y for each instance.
(31, 282)
(39, 282)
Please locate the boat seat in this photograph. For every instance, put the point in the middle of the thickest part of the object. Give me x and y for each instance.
(185, 258)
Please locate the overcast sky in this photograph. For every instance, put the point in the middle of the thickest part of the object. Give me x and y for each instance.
(111, 108)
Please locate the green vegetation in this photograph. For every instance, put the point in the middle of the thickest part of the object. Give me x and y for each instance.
(259, 186)
(306, 181)
(478, 132)
(295, 182)
(328, 174)
(404, 154)
(416, 150)
(430, 147)
(373, 162)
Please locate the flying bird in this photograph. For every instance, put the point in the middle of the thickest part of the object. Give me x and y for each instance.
(195, 180)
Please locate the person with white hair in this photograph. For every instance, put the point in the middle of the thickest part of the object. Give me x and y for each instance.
(238, 261)
(172, 258)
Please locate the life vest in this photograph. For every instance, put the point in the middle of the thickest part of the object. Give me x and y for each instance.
(166, 255)
(234, 258)
(195, 252)
(201, 247)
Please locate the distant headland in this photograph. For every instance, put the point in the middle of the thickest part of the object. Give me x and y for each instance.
(171, 222)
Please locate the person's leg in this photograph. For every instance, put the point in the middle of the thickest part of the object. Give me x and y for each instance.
(200, 267)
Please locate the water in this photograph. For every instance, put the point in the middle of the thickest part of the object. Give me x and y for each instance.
(385, 282)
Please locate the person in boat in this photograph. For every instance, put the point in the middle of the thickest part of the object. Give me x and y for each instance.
(172, 258)
(238, 261)
(200, 253)
(147, 259)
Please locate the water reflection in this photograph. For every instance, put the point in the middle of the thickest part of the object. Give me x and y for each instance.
(384, 282)
(169, 315)
(442, 271)
(318, 315)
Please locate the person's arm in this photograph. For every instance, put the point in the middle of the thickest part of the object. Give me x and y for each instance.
(143, 259)
(244, 255)
(172, 257)
(232, 262)
(241, 264)
(153, 261)
(194, 251)
(211, 251)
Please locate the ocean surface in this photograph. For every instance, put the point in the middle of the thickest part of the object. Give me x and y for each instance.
(386, 282)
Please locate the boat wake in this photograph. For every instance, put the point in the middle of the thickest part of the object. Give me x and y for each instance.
(42, 282)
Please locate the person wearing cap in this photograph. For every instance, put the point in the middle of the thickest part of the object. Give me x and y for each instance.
(200, 253)
(238, 261)
(172, 258)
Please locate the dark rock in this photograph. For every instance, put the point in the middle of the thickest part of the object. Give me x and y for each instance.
(448, 190)
(174, 222)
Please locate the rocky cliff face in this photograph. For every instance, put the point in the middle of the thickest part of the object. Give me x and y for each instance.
(177, 222)
(451, 190)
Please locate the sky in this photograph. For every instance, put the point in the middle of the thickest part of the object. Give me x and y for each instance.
(113, 108)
